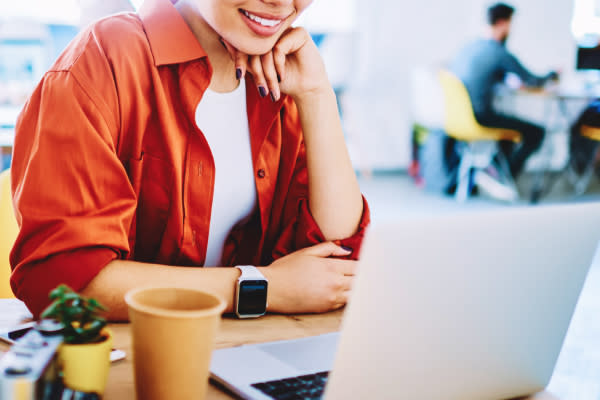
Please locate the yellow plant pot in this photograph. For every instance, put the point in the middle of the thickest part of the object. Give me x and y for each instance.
(85, 366)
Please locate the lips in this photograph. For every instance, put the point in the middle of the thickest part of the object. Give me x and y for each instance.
(262, 24)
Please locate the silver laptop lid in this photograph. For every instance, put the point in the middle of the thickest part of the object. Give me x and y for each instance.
(464, 306)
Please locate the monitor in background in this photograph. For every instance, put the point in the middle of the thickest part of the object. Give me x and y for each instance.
(588, 58)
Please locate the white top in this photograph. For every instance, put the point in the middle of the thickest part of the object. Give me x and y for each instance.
(223, 120)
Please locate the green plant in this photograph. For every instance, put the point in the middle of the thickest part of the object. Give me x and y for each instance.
(80, 316)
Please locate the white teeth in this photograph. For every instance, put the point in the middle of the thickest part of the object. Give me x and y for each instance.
(262, 21)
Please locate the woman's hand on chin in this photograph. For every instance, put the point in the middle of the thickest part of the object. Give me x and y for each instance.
(294, 66)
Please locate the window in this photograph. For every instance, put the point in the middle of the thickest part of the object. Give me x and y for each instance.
(586, 23)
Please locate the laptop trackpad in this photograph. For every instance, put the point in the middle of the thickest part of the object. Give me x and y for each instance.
(314, 353)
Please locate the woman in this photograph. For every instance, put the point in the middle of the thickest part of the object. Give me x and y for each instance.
(136, 157)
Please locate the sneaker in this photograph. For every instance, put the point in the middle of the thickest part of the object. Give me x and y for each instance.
(494, 188)
(492, 171)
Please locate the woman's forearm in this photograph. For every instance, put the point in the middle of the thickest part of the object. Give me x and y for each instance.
(309, 280)
(119, 276)
(334, 195)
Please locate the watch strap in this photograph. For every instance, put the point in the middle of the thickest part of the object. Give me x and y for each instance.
(250, 272)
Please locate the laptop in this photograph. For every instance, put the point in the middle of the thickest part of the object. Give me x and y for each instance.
(472, 305)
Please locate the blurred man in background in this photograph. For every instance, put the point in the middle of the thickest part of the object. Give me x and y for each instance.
(484, 63)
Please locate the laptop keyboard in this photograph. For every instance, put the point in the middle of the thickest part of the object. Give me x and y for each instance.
(304, 387)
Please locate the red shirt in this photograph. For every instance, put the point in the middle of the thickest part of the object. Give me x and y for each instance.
(108, 161)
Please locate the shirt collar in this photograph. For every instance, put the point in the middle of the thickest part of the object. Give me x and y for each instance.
(170, 38)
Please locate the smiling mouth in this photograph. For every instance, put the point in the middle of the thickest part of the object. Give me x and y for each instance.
(266, 22)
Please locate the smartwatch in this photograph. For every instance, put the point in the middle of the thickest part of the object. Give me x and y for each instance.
(250, 293)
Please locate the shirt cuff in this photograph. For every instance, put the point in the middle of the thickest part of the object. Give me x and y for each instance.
(32, 282)
(307, 232)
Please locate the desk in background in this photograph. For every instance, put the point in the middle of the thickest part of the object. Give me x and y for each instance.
(555, 107)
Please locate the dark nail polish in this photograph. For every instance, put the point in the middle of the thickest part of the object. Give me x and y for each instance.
(347, 248)
(273, 98)
(278, 78)
(262, 91)
(238, 73)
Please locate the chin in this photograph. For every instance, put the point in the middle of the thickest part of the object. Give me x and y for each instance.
(255, 47)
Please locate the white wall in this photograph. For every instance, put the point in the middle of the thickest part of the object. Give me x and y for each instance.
(54, 11)
(91, 10)
(394, 37)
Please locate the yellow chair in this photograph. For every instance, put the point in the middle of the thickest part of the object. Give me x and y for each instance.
(581, 182)
(8, 233)
(479, 144)
(591, 132)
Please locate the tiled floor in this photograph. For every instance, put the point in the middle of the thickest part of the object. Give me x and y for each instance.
(577, 374)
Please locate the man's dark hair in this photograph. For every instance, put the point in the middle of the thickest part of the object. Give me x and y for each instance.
(499, 12)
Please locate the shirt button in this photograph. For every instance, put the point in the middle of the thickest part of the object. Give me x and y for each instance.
(261, 173)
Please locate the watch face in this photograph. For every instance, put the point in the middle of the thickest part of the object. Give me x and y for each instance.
(252, 297)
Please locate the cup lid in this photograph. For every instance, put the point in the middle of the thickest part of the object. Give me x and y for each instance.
(174, 302)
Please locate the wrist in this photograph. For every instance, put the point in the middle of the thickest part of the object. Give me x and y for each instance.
(270, 275)
(314, 97)
(231, 276)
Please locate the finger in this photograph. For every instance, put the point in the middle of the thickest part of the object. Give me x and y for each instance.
(255, 68)
(230, 49)
(279, 61)
(327, 249)
(241, 65)
(344, 267)
(270, 75)
(342, 300)
(240, 59)
(346, 283)
(291, 41)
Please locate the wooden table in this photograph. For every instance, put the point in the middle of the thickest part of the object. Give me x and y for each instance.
(234, 332)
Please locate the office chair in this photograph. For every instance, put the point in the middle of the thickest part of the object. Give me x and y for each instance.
(8, 233)
(581, 182)
(478, 144)
(427, 114)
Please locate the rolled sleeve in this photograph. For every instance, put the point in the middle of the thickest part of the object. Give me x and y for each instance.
(304, 231)
(308, 233)
(33, 281)
(73, 199)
